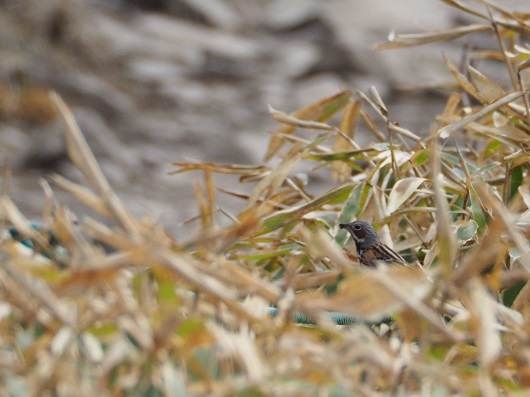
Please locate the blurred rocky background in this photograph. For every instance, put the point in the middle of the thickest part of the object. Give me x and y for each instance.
(156, 81)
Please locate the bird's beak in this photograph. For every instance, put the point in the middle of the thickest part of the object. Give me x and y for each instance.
(343, 225)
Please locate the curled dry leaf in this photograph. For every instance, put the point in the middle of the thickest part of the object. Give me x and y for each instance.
(416, 39)
(284, 118)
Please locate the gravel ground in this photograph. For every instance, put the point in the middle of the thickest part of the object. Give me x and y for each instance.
(152, 82)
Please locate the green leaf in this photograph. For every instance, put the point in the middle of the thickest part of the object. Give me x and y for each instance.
(190, 327)
(150, 391)
(455, 212)
(478, 216)
(282, 218)
(319, 139)
(467, 231)
(103, 330)
(492, 148)
(335, 157)
(334, 106)
(420, 157)
(516, 180)
(488, 167)
(350, 211)
(511, 293)
(270, 254)
(250, 392)
(166, 291)
(515, 252)
(454, 160)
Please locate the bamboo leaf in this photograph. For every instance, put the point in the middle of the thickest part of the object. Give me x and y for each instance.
(402, 191)
(320, 111)
(416, 39)
(446, 131)
(282, 218)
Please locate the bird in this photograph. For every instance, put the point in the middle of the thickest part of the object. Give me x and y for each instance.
(370, 249)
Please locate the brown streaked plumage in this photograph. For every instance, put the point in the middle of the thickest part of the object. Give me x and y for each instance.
(370, 249)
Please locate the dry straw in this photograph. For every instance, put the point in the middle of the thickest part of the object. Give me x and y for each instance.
(123, 309)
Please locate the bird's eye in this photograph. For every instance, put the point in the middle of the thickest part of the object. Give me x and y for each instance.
(357, 227)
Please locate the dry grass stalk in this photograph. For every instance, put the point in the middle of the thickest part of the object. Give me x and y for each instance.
(124, 309)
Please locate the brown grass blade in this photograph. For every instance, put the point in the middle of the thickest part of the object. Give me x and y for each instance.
(84, 160)
(83, 194)
(319, 111)
(446, 131)
(445, 237)
(284, 118)
(416, 39)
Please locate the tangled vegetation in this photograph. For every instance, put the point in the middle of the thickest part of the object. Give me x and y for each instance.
(123, 309)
